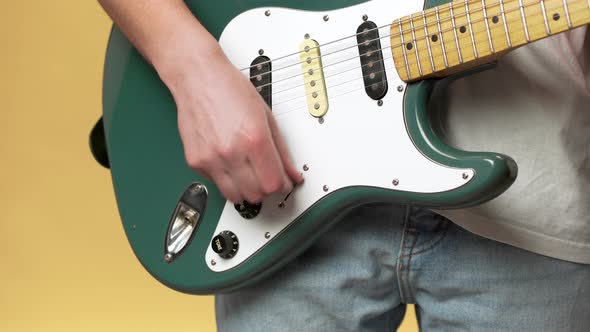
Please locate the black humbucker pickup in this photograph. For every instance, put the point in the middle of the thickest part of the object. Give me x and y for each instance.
(261, 78)
(371, 56)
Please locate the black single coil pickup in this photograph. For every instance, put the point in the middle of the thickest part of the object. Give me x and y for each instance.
(371, 57)
(261, 78)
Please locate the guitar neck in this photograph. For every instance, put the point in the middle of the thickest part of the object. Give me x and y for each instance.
(463, 34)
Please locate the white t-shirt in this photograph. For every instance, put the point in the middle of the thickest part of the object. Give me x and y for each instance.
(534, 107)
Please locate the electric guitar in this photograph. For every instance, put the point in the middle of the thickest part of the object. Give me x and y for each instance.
(352, 85)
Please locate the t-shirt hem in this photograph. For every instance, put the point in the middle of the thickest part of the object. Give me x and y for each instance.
(526, 239)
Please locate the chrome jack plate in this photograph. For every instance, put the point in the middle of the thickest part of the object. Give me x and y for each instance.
(185, 220)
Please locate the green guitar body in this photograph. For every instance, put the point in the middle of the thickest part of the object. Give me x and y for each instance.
(149, 170)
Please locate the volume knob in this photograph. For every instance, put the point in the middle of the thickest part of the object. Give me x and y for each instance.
(248, 210)
(225, 244)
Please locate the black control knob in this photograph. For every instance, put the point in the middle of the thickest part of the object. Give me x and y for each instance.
(248, 210)
(225, 244)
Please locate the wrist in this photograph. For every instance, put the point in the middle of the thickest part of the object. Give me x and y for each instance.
(191, 52)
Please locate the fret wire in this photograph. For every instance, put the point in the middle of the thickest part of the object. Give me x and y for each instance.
(389, 25)
(514, 9)
(526, 29)
(547, 28)
(428, 41)
(485, 19)
(505, 24)
(567, 14)
(470, 28)
(401, 33)
(440, 31)
(442, 40)
(415, 45)
(477, 31)
(455, 32)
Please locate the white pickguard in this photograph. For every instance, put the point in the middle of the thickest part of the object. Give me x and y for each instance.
(359, 142)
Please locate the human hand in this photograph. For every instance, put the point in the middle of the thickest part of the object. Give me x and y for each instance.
(228, 132)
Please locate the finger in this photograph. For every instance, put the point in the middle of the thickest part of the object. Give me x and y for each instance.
(290, 168)
(268, 166)
(246, 181)
(227, 187)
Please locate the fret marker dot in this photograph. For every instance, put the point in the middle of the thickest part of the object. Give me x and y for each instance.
(462, 29)
(434, 38)
(409, 46)
(555, 16)
(495, 19)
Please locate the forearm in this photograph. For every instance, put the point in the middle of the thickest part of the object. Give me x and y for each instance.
(164, 31)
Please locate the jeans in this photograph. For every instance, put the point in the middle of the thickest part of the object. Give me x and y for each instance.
(361, 274)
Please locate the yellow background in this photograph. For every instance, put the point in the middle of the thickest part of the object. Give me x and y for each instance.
(65, 262)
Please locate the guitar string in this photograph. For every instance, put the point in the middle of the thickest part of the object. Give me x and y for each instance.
(411, 61)
(485, 41)
(512, 9)
(338, 84)
(335, 85)
(365, 86)
(331, 98)
(355, 35)
(416, 28)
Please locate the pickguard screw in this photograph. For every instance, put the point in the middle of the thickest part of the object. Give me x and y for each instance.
(465, 176)
(380, 102)
(305, 167)
(261, 52)
(267, 13)
(267, 235)
(307, 36)
(168, 257)
(213, 262)
(134, 226)
(365, 18)
(326, 188)
(326, 18)
(400, 88)
(321, 120)
(395, 182)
